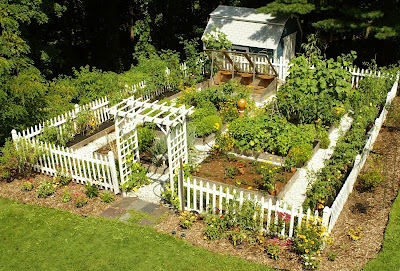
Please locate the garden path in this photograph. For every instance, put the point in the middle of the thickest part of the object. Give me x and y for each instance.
(307, 175)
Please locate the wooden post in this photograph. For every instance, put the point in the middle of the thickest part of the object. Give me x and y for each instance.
(180, 184)
(113, 169)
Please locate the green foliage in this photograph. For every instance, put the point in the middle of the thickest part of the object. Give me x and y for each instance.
(159, 150)
(91, 190)
(217, 40)
(237, 235)
(107, 197)
(318, 93)
(370, 179)
(137, 178)
(323, 137)
(46, 188)
(62, 177)
(231, 172)
(366, 104)
(51, 134)
(298, 154)
(208, 125)
(274, 135)
(146, 136)
(14, 161)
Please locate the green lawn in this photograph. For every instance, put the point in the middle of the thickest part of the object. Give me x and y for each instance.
(38, 238)
(389, 257)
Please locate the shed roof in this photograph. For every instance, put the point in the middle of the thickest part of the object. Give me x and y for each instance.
(247, 27)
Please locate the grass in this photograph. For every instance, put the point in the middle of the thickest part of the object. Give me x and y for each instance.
(39, 238)
(389, 257)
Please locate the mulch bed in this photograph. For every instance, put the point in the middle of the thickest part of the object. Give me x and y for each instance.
(12, 190)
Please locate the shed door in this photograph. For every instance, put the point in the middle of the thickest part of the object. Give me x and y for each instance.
(289, 46)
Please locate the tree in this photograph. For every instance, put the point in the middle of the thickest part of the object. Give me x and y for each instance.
(22, 87)
(348, 22)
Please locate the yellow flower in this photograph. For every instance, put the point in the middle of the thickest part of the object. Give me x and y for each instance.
(205, 237)
(277, 159)
(306, 250)
(270, 157)
(312, 242)
(249, 187)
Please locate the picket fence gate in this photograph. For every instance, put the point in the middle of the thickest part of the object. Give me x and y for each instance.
(206, 196)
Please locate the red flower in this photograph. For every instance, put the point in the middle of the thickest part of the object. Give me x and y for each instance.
(220, 216)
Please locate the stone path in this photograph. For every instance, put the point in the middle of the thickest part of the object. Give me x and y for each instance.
(121, 209)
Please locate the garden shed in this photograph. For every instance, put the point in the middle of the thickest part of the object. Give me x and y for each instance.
(250, 31)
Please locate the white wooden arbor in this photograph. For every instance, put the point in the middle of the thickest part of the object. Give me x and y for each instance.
(131, 112)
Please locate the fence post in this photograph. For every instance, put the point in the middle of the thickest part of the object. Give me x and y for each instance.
(14, 135)
(325, 216)
(180, 188)
(113, 169)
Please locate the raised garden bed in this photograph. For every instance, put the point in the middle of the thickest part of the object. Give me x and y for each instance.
(80, 140)
(245, 174)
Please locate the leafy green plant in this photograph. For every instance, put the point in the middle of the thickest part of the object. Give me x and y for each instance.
(62, 177)
(107, 197)
(282, 222)
(85, 122)
(371, 179)
(79, 199)
(137, 178)
(231, 172)
(91, 190)
(18, 158)
(51, 134)
(216, 39)
(355, 233)
(146, 136)
(46, 188)
(208, 125)
(186, 219)
(159, 150)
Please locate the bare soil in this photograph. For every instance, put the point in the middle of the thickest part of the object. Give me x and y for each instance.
(214, 168)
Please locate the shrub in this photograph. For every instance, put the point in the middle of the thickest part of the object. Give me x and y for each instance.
(186, 219)
(51, 134)
(79, 199)
(371, 179)
(282, 222)
(223, 144)
(26, 185)
(14, 161)
(91, 190)
(85, 122)
(208, 125)
(45, 189)
(107, 197)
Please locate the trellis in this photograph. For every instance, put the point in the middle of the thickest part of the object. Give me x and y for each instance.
(131, 112)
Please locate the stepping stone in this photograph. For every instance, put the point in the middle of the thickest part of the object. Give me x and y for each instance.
(112, 212)
(125, 217)
(146, 222)
(138, 205)
(160, 211)
(149, 208)
(125, 203)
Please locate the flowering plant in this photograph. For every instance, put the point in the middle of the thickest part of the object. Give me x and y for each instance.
(309, 240)
(237, 235)
(66, 195)
(80, 199)
(62, 177)
(187, 219)
(26, 185)
(275, 247)
(282, 220)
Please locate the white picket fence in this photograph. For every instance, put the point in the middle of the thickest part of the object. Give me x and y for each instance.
(202, 195)
(99, 108)
(94, 169)
(359, 162)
